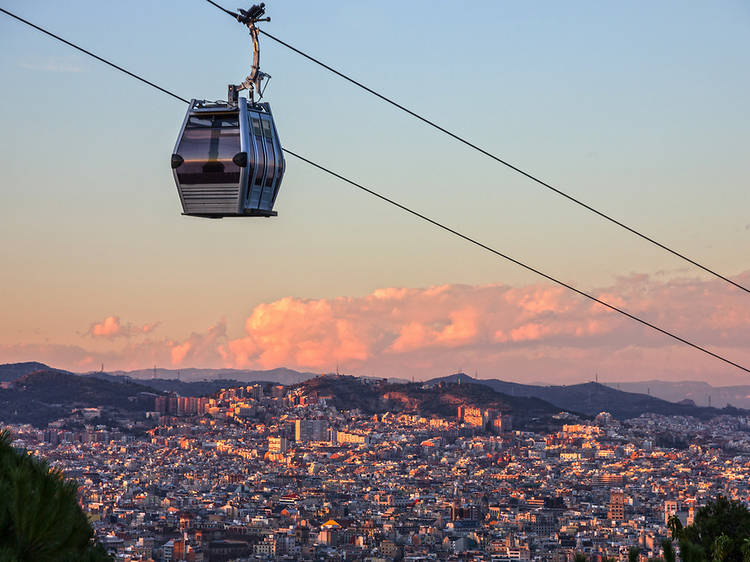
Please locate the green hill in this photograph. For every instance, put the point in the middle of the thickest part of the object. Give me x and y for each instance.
(43, 396)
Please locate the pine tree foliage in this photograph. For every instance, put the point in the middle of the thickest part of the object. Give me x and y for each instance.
(720, 533)
(40, 519)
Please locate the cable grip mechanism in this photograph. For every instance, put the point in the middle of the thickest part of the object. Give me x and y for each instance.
(252, 82)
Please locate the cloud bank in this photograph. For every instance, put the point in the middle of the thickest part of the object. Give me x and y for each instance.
(111, 327)
(530, 333)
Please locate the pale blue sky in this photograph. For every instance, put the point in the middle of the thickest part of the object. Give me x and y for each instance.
(638, 108)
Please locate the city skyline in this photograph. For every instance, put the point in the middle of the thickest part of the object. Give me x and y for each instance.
(366, 469)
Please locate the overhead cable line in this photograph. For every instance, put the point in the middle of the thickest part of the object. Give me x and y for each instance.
(89, 53)
(513, 260)
(492, 156)
(430, 220)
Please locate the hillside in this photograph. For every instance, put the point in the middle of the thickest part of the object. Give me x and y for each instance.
(699, 392)
(281, 375)
(43, 396)
(592, 398)
(197, 388)
(346, 392)
(12, 371)
(588, 398)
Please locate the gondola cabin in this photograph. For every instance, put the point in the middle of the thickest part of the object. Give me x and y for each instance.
(228, 160)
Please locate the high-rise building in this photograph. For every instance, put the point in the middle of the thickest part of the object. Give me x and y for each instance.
(278, 444)
(490, 419)
(670, 509)
(346, 437)
(616, 511)
(203, 404)
(161, 405)
(311, 430)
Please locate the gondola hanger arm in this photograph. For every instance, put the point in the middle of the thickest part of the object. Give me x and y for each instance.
(253, 81)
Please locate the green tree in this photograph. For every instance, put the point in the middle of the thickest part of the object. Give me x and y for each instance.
(669, 553)
(720, 517)
(746, 550)
(579, 557)
(40, 519)
(690, 552)
(720, 548)
(634, 554)
(675, 526)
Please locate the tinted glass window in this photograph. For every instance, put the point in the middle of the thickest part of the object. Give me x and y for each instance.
(253, 194)
(266, 128)
(207, 145)
(213, 121)
(271, 161)
(258, 131)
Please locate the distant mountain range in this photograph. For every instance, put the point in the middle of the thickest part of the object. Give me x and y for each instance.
(701, 393)
(592, 398)
(281, 375)
(187, 382)
(588, 398)
(197, 388)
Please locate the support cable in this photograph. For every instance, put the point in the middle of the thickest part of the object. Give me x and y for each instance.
(513, 260)
(485, 152)
(97, 57)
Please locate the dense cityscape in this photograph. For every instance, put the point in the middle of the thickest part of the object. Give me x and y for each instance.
(465, 282)
(273, 472)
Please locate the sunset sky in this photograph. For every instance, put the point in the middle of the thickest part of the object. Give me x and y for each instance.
(639, 108)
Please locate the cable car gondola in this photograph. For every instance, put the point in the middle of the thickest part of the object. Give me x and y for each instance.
(228, 161)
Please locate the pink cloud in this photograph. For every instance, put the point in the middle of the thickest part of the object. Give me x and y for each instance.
(412, 336)
(426, 326)
(179, 352)
(390, 293)
(461, 330)
(310, 334)
(500, 336)
(200, 349)
(108, 328)
(528, 332)
(111, 327)
(537, 300)
(534, 332)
